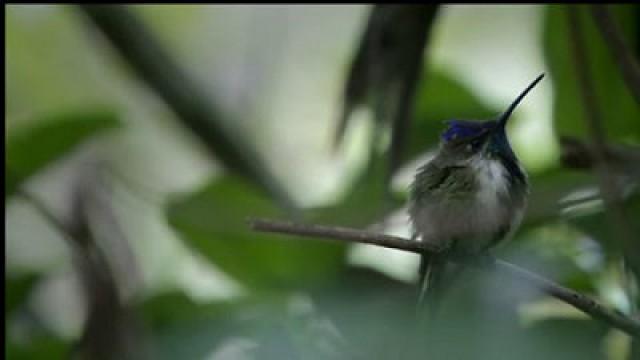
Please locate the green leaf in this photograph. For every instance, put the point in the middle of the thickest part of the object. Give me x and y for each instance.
(270, 327)
(364, 202)
(17, 288)
(618, 109)
(548, 188)
(574, 338)
(175, 308)
(39, 347)
(185, 329)
(371, 312)
(213, 221)
(595, 222)
(32, 149)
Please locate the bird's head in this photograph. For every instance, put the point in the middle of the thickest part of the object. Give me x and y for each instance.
(466, 139)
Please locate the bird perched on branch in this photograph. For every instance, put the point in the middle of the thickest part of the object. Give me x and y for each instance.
(470, 196)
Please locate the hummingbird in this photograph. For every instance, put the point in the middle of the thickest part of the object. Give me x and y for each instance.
(470, 196)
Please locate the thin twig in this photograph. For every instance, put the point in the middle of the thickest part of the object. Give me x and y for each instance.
(585, 304)
(593, 119)
(340, 233)
(622, 55)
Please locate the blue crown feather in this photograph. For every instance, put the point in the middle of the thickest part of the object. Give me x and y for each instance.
(460, 129)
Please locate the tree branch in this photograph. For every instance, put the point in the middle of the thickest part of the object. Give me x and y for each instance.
(583, 303)
(593, 118)
(197, 110)
(621, 158)
(403, 113)
(385, 72)
(111, 329)
(621, 53)
(74, 242)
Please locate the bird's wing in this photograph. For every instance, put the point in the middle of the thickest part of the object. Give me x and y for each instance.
(433, 180)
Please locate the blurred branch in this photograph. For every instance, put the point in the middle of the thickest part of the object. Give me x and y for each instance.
(577, 154)
(110, 331)
(73, 242)
(403, 114)
(585, 304)
(593, 118)
(137, 45)
(385, 72)
(620, 51)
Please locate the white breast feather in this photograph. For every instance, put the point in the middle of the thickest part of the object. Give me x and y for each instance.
(492, 181)
(483, 216)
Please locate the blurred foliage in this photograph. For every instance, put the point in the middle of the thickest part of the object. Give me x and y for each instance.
(33, 342)
(363, 203)
(183, 328)
(214, 222)
(386, 69)
(41, 347)
(548, 188)
(304, 300)
(30, 150)
(614, 98)
(17, 288)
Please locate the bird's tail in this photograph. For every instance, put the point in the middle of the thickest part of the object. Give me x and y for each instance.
(430, 275)
(429, 283)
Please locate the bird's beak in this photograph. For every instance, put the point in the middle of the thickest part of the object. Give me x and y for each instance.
(502, 120)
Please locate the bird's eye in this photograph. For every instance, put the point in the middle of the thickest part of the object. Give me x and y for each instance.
(475, 144)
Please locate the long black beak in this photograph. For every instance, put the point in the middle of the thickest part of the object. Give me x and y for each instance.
(502, 120)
